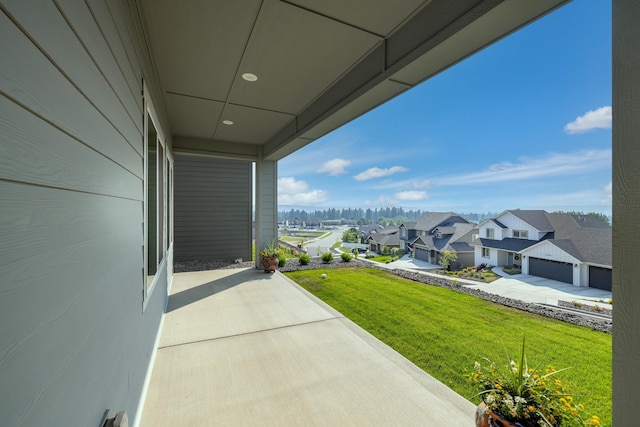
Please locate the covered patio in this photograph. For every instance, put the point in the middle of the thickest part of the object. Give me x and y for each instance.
(239, 347)
(125, 124)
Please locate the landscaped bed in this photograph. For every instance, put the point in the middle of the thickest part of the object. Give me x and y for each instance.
(481, 274)
(445, 332)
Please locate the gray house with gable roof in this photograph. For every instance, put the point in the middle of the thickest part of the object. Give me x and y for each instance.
(559, 246)
(435, 232)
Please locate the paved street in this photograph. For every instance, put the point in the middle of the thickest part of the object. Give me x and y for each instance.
(317, 247)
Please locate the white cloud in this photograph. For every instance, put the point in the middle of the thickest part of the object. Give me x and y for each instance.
(293, 192)
(608, 193)
(531, 168)
(335, 167)
(378, 173)
(594, 119)
(421, 184)
(411, 195)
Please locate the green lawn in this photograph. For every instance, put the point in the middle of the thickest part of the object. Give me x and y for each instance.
(382, 259)
(444, 332)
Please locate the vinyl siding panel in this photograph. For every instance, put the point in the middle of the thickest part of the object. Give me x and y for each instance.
(38, 153)
(205, 227)
(87, 29)
(512, 222)
(32, 80)
(54, 36)
(74, 338)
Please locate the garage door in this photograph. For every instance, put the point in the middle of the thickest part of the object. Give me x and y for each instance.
(554, 270)
(600, 278)
(422, 254)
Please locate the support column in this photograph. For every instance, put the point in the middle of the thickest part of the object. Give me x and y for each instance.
(266, 204)
(626, 211)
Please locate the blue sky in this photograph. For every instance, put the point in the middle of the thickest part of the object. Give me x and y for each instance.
(525, 123)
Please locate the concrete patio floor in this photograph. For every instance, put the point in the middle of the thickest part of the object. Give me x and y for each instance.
(240, 347)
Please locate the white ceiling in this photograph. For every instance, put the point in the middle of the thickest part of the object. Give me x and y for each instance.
(319, 63)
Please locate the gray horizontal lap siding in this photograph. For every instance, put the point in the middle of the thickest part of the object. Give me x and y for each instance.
(205, 227)
(75, 340)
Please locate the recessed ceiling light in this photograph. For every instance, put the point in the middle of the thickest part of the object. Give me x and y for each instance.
(250, 77)
(227, 122)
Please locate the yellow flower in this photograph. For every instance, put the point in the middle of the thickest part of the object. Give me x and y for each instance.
(498, 386)
(581, 406)
(532, 409)
(558, 383)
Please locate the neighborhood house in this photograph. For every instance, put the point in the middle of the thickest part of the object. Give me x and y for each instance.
(435, 232)
(569, 248)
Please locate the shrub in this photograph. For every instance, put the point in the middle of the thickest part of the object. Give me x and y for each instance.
(345, 257)
(481, 267)
(304, 259)
(327, 257)
(282, 260)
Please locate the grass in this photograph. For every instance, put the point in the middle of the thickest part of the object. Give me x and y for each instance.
(445, 332)
(382, 259)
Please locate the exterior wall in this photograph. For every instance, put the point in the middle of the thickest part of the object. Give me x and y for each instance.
(512, 222)
(479, 259)
(76, 340)
(212, 208)
(465, 259)
(404, 234)
(497, 231)
(584, 275)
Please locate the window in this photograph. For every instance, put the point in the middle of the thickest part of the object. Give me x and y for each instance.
(169, 206)
(158, 172)
(521, 234)
(485, 252)
(490, 234)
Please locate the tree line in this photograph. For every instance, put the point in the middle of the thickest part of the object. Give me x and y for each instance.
(390, 215)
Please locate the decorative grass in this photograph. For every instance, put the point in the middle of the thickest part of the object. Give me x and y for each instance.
(445, 332)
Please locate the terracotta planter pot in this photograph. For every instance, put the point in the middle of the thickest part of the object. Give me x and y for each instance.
(486, 418)
(269, 264)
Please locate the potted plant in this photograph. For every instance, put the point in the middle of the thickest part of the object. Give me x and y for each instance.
(269, 256)
(514, 395)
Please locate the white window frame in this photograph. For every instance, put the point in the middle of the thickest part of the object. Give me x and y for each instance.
(149, 283)
(486, 253)
(490, 233)
(520, 234)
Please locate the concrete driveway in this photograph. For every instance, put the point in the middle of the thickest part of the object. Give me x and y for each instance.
(522, 287)
(536, 289)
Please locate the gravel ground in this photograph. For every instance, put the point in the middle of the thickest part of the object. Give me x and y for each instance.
(604, 325)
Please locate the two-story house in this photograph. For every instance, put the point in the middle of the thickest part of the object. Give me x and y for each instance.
(435, 232)
(559, 246)
(388, 237)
